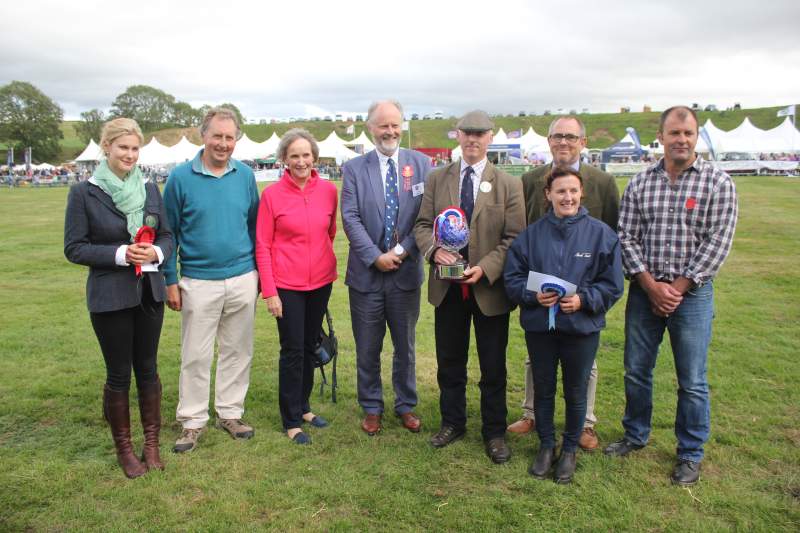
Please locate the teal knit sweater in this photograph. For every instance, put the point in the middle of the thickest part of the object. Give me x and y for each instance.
(213, 221)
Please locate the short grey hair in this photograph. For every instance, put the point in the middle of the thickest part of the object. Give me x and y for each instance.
(374, 105)
(291, 136)
(223, 113)
(581, 125)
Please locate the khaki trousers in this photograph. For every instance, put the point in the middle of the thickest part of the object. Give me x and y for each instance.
(591, 390)
(223, 310)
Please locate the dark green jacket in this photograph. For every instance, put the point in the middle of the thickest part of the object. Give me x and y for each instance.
(600, 194)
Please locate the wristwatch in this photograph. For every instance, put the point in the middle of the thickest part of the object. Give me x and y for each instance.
(399, 250)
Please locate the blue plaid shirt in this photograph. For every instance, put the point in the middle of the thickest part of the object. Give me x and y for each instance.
(685, 229)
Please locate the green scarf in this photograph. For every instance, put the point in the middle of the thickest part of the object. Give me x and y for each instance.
(128, 194)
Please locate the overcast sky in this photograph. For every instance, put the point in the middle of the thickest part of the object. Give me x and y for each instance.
(305, 58)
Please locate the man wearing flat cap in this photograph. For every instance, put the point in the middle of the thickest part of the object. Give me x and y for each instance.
(494, 208)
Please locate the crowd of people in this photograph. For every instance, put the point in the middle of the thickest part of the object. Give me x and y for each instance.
(557, 244)
(783, 156)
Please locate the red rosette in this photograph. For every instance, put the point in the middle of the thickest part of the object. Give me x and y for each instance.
(145, 234)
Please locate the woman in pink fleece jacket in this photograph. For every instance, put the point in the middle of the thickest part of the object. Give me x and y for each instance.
(297, 266)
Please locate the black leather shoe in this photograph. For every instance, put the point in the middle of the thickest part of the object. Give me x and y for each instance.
(446, 435)
(565, 468)
(543, 463)
(621, 448)
(497, 450)
(686, 473)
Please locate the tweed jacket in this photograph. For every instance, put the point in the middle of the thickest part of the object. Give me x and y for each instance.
(600, 194)
(498, 216)
(93, 231)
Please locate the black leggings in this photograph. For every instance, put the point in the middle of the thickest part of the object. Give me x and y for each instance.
(129, 337)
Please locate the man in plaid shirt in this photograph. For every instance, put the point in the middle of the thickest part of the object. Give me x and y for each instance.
(676, 226)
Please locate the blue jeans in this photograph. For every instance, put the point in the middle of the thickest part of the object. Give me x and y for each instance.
(690, 334)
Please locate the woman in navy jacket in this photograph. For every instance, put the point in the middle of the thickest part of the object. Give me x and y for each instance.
(571, 245)
(126, 308)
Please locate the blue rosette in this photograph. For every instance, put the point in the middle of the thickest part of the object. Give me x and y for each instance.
(561, 291)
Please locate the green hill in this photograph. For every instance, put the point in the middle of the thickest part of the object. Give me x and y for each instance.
(603, 129)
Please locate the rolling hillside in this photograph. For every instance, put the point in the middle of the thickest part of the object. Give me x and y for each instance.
(603, 129)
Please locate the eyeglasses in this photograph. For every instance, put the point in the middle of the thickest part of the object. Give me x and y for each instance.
(569, 137)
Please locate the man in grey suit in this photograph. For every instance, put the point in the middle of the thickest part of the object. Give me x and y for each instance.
(381, 195)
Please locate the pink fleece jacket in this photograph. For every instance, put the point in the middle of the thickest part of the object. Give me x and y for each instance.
(294, 235)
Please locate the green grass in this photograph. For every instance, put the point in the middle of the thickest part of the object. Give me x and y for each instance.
(59, 471)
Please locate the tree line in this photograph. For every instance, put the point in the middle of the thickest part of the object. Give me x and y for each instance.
(28, 117)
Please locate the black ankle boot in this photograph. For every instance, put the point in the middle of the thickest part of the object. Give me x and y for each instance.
(565, 468)
(543, 463)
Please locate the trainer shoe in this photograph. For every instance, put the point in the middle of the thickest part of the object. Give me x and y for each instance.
(236, 428)
(188, 440)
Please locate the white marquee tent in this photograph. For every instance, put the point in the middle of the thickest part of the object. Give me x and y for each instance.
(248, 149)
(362, 140)
(185, 150)
(334, 147)
(270, 146)
(91, 153)
(155, 153)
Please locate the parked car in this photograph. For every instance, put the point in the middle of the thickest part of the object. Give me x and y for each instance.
(438, 115)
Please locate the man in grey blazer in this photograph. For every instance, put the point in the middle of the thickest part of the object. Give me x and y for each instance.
(381, 195)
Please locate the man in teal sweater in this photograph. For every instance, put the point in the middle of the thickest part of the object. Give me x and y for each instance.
(212, 204)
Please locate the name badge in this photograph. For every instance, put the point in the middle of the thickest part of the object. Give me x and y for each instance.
(417, 189)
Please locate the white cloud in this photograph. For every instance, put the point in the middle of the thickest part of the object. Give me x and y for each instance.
(286, 59)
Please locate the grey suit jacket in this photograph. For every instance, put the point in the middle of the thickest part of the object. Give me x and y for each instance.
(93, 231)
(363, 208)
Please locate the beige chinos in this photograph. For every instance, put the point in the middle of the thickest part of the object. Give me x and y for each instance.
(224, 309)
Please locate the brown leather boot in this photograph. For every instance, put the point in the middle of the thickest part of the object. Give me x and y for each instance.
(117, 414)
(150, 410)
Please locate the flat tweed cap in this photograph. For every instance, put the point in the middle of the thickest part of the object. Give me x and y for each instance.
(475, 121)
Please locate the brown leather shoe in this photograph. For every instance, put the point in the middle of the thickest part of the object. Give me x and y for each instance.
(371, 424)
(522, 426)
(588, 441)
(411, 422)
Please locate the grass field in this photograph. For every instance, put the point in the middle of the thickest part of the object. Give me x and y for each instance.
(59, 471)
